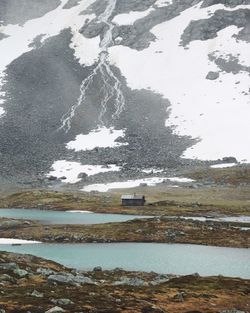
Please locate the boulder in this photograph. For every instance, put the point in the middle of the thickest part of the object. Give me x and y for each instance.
(131, 282)
(7, 278)
(52, 178)
(8, 266)
(212, 75)
(55, 309)
(20, 273)
(82, 175)
(69, 279)
(45, 271)
(179, 297)
(62, 301)
(36, 294)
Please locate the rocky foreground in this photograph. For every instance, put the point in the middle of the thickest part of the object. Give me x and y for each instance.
(31, 284)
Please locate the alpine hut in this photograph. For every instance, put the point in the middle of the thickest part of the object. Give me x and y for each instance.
(133, 200)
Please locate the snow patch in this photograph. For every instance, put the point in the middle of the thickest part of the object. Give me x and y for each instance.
(215, 111)
(180, 179)
(223, 165)
(86, 51)
(51, 24)
(131, 17)
(163, 3)
(152, 181)
(152, 171)
(71, 170)
(102, 137)
(11, 241)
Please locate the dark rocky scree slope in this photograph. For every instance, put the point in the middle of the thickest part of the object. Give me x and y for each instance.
(42, 84)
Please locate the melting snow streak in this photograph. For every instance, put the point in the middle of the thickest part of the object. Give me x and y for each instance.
(111, 85)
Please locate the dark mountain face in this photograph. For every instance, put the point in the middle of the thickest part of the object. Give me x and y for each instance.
(50, 97)
(20, 11)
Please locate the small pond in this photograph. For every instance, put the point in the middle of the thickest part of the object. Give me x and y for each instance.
(68, 217)
(162, 258)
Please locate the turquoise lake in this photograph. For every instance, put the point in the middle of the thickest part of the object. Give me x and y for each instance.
(62, 217)
(162, 258)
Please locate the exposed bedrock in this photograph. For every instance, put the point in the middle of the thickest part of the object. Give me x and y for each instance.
(20, 11)
(208, 28)
(41, 87)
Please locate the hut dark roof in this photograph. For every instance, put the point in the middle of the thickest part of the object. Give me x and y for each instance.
(132, 197)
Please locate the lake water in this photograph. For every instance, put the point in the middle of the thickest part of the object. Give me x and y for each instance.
(162, 258)
(60, 217)
(86, 217)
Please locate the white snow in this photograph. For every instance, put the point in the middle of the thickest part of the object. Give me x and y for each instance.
(217, 112)
(51, 24)
(131, 17)
(180, 179)
(224, 165)
(231, 46)
(86, 49)
(71, 170)
(152, 170)
(163, 3)
(102, 137)
(151, 181)
(10, 241)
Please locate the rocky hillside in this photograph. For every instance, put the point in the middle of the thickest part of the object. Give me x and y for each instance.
(105, 89)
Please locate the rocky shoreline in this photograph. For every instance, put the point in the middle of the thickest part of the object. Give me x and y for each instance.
(159, 230)
(31, 284)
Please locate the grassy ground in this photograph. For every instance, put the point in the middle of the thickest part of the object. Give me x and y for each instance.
(161, 200)
(235, 176)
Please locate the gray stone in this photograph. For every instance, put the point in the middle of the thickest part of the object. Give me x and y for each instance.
(55, 309)
(8, 266)
(10, 223)
(36, 294)
(179, 297)
(69, 279)
(21, 273)
(82, 175)
(62, 301)
(212, 75)
(131, 282)
(52, 178)
(6, 277)
(45, 271)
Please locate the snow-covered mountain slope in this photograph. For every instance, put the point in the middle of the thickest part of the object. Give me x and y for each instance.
(112, 87)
